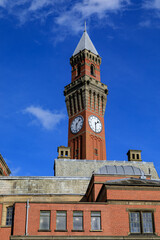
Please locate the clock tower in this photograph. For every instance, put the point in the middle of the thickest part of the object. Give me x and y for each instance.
(86, 99)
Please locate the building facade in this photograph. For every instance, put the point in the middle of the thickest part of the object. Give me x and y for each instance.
(89, 197)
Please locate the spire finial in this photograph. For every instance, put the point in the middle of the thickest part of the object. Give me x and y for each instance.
(85, 26)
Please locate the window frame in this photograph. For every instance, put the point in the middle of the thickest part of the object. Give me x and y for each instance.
(141, 222)
(99, 217)
(92, 70)
(82, 220)
(9, 216)
(49, 226)
(61, 229)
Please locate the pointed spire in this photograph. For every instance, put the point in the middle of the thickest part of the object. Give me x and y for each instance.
(85, 27)
(85, 43)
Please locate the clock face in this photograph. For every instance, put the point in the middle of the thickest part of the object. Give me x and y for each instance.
(77, 124)
(95, 124)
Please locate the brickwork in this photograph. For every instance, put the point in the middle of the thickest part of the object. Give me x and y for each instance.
(86, 96)
(109, 212)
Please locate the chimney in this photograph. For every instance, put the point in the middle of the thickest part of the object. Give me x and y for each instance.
(64, 152)
(134, 155)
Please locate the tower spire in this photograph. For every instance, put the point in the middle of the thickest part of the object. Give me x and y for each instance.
(85, 26)
(85, 43)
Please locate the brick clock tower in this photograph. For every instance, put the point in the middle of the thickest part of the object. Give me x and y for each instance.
(86, 99)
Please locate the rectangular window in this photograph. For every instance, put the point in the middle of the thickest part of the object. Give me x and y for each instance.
(44, 220)
(77, 220)
(135, 222)
(61, 220)
(9, 217)
(141, 222)
(147, 222)
(95, 220)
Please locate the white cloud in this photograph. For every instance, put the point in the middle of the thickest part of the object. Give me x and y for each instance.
(64, 12)
(3, 3)
(152, 4)
(146, 23)
(78, 13)
(46, 118)
(37, 4)
(28, 10)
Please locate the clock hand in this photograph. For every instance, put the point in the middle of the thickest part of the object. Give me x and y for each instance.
(77, 123)
(96, 124)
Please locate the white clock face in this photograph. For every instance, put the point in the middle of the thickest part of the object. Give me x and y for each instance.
(95, 124)
(77, 124)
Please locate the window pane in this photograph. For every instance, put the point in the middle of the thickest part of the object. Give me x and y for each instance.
(61, 220)
(78, 220)
(9, 217)
(134, 222)
(95, 220)
(147, 222)
(45, 220)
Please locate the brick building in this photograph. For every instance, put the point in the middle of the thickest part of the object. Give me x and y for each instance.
(89, 197)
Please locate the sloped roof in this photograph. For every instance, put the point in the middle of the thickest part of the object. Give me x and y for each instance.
(5, 164)
(133, 182)
(85, 43)
(120, 170)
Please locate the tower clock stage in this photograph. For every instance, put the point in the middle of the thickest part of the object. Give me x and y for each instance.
(86, 99)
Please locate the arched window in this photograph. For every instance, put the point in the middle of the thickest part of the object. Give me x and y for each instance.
(92, 70)
(78, 69)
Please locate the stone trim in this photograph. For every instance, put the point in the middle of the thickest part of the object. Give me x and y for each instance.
(41, 230)
(77, 230)
(132, 202)
(56, 230)
(141, 209)
(129, 237)
(133, 187)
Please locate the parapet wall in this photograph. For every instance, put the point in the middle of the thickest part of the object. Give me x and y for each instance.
(85, 168)
(42, 185)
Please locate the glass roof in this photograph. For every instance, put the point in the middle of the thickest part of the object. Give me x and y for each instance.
(120, 170)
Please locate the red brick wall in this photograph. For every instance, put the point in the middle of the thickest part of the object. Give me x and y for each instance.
(114, 218)
(5, 233)
(132, 195)
(20, 217)
(85, 70)
(0, 214)
(95, 140)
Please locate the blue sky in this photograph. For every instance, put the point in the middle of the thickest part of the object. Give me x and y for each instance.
(37, 38)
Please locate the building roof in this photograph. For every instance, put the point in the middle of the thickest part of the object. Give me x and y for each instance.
(5, 165)
(85, 43)
(120, 170)
(134, 182)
